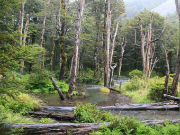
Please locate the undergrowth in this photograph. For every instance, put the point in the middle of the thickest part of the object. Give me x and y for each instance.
(120, 126)
(144, 90)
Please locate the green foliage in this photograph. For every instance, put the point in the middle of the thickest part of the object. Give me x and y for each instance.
(88, 77)
(157, 90)
(40, 82)
(46, 120)
(19, 102)
(135, 72)
(120, 126)
(4, 128)
(90, 114)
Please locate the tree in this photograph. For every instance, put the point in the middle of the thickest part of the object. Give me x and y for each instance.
(108, 27)
(176, 75)
(76, 47)
(147, 51)
(123, 43)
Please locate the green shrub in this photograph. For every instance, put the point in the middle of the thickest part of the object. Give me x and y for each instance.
(157, 90)
(46, 120)
(135, 72)
(90, 114)
(19, 103)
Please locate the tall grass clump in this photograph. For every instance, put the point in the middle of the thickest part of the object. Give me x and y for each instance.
(145, 90)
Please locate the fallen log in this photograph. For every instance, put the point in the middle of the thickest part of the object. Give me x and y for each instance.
(57, 88)
(52, 115)
(162, 122)
(59, 128)
(113, 89)
(169, 97)
(73, 128)
(151, 106)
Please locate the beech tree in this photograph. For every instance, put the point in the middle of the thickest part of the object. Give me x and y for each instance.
(176, 75)
(76, 47)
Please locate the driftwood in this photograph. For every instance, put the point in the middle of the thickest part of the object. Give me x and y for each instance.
(59, 128)
(169, 97)
(73, 128)
(113, 89)
(51, 115)
(150, 106)
(162, 122)
(57, 88)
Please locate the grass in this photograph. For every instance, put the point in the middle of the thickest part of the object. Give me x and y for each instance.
(138, 88)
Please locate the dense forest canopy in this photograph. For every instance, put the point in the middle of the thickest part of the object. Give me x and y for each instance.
(49, 40)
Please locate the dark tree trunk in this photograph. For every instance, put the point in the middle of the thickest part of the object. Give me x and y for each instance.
(63, 55)
(176, 76)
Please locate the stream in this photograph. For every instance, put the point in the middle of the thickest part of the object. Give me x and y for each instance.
(94, 96)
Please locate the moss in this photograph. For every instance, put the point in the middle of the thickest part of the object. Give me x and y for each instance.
(105, 90)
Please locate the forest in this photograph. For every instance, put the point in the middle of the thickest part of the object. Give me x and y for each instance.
(55, 46)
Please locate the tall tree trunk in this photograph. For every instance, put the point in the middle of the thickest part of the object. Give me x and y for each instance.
(76, 47)
(143, 52)
(95, 54)
(113, 42)
(123, 44)
(21, 29)
(168, 70)
(108, 26)
(63, 55)
(148, 54)
(42, 36)
(176, 76)
(24, 40)
(52, 55)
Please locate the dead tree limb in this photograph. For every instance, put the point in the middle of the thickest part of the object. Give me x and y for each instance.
(57, 88)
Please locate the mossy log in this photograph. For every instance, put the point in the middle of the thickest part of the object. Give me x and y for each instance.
(72, 128)
(169, 97)
(58, 128)
(113, 89)
(150, 106)
(52, 115)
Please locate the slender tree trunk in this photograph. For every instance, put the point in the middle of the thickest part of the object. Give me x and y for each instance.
(52, 55)
(76, 47)
(42, 36)
(95, 54)
(111, 74)
(21, 29)
(113, 42)
(70, 68)
(24, 40)
(176, 75)
(168, 70)
(123, 45)
(108, 26)
(143, 52)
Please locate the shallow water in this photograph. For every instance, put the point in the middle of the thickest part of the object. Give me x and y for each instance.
(93, 95)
